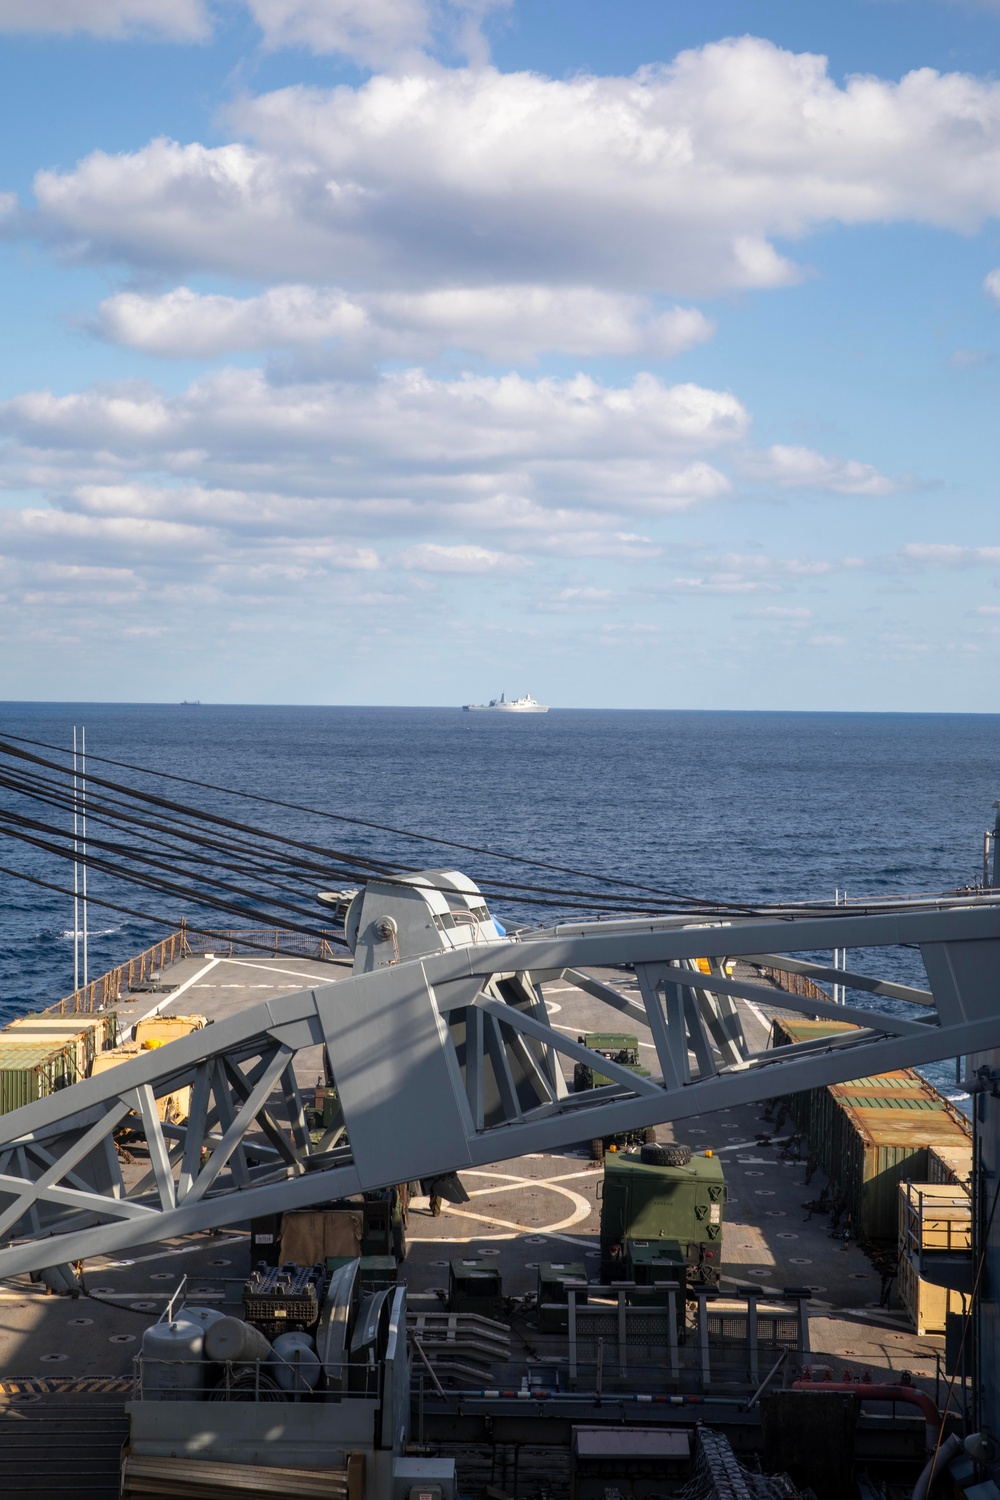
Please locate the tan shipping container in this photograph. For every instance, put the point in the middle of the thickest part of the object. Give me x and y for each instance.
(173, 1108)
(164, 1029)
(926, 1303)
(89, 1033)
(951, 1164)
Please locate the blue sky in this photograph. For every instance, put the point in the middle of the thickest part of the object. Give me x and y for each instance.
(407, 350)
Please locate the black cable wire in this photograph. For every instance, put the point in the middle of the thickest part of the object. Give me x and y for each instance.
(364, 823)
(220, 903)
(363, 866)
(146, 916)
(166, 888)
(97, 813)
(117, 849)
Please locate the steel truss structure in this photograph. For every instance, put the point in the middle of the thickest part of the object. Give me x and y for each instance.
(450, 1060)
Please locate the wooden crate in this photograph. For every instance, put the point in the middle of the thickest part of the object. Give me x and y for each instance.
(933, 1216)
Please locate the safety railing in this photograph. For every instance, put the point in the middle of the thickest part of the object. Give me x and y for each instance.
(106, 990)
(102, 992)
(242, 941)
(274, 1379)
(796, 984)
(628, 1331)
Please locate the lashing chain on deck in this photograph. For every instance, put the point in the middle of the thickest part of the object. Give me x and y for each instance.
(449, 1061)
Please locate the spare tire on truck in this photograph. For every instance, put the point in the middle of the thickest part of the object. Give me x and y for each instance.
(665, 1156)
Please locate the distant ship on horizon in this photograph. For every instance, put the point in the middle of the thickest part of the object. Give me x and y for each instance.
(505, 705)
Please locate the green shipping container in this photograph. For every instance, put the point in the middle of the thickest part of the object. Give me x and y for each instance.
(90, 1033)
(871, 1134)
(33, 1070)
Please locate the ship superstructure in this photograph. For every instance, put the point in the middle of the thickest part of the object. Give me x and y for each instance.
(526, 704)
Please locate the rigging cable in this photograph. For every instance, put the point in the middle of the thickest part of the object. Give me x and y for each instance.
(365, 823)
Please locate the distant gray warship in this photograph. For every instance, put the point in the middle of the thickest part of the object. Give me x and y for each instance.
(505, 705)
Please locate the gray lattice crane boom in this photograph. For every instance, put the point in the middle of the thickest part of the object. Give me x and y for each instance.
(444, 1057)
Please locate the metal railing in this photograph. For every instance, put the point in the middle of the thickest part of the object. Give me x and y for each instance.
(733, 1339)
(102, 992)
(796, 984)
(231, 941)
(186, 941)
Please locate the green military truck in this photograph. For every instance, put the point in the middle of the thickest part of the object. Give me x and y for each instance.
(670, 1204)
(618, 1047)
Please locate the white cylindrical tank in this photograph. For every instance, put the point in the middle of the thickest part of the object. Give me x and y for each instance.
(173, 1365)
(295, 1365)
(230, 1340)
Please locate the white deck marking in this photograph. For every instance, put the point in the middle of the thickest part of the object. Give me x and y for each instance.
(188, 983)
(242, 963)
(582, 1209)
(105, 1262)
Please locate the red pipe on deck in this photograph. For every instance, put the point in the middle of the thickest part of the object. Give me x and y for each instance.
(866, 1392)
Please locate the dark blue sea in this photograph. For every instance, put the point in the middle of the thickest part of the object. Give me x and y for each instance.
(748, 807)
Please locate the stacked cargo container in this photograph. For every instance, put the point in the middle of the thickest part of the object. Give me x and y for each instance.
(935, 1238)
(91, 1033)
(33, 1068)
(42, 1053)
(871, 1134)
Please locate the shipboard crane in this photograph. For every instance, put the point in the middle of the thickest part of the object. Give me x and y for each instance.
(444, 1057)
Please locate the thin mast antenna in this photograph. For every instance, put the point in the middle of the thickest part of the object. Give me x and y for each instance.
(83, 830)
(76, 881)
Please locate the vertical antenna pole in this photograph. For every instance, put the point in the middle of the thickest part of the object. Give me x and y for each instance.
(83, 830)
(76, 881)
(839, 957)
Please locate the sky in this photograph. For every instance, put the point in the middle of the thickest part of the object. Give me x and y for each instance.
(406, 351)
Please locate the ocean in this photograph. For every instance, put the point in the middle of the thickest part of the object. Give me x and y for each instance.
(747, 807)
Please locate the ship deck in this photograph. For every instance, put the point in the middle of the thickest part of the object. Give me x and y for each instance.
(539, 1207)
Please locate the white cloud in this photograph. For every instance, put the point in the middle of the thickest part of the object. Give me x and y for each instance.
(776, 612)
(677, 180)
(376, 32)
(500, 323)
(803, 468)
(170, 20)
(948, 555)
(373, 31)
(409, 428)
(827, 640)
(432, 557)
(477, 474)
(991, 285)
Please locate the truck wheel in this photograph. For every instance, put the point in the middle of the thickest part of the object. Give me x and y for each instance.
(665, 1156)
(597, 1149)
(649, 1135)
